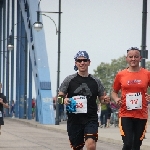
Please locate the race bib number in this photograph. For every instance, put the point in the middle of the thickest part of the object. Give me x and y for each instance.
(134, 101)
(81, 104)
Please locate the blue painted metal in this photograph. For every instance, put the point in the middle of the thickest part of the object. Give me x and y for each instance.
(12, 54)
(25, 74)
(30, 91)
(7, 61)
(4, 43)
(40, 66)
(17, 63)
(22, 70)
(1, 5)
(36, 112)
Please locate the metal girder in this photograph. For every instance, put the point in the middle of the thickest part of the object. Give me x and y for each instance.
(39, 61)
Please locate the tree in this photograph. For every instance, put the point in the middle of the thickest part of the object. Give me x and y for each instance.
(147, 65)
(106, 71)
(103, 72)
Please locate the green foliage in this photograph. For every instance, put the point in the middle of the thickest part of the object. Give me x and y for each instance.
(147, 65)
(106, 71)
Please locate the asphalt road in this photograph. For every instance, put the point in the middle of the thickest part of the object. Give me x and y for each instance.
(19, 136)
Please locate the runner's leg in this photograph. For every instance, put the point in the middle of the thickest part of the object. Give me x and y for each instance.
(102, 118)
(105, 117)
(126, 130)
(139, 132)
(76, 136)
(91, 135)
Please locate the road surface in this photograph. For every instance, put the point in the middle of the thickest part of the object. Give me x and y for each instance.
(18, 136)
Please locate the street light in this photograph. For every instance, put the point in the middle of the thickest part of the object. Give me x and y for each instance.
(38, 26)
(10, 46)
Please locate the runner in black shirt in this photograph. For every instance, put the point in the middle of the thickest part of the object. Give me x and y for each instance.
(84, 88)
(3, 103)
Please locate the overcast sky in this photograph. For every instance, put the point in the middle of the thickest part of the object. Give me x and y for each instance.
(104, 28)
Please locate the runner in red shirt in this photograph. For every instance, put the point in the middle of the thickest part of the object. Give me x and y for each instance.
(133, 83)
(33, 108)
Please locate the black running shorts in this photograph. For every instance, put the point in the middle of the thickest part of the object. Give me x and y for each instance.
(79, 133)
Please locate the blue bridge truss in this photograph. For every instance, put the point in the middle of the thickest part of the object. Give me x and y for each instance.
(28, 59)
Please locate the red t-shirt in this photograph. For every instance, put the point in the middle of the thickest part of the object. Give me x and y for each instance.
(33, 103)
(132, 82)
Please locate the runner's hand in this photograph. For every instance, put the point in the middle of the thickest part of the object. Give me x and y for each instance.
(66, 101)
(147, 97)
(118, 101)
(1, 100)
(106, 98)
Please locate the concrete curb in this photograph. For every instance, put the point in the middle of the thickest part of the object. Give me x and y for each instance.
(103, 139)
(37, 125)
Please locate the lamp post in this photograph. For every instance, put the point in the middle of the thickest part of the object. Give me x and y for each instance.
(144, 52)
(38, 26)
(10, 47)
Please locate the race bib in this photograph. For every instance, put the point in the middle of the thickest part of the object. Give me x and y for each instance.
(81, 104)
(134, 101)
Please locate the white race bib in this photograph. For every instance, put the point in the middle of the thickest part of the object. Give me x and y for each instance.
(134, 101)
(81, 104)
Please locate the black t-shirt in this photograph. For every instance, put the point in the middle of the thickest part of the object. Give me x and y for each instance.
(91, 87)
(4, 100)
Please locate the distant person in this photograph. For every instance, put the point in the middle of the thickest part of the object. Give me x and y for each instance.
(133, 82)
(33, 108)
(104, 114)
(109, 112)
(13, 109)
(54, 103)
(114, 117)
(3, 104)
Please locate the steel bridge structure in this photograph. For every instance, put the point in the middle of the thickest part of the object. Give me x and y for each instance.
(28, 60)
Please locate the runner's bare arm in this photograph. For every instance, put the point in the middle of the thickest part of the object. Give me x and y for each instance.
(64, 96)
(61, 93)
(6, 105)
(114, 95)
(104, 99)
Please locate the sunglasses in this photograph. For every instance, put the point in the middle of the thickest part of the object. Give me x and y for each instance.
(80, 60)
